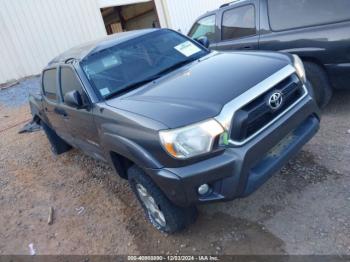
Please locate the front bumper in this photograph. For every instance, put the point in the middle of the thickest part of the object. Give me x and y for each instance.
(239, 171)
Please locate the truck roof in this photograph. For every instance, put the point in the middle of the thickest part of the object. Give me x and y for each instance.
(213, 12)
(84, 50)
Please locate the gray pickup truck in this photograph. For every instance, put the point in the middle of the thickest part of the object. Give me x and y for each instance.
(185, 125)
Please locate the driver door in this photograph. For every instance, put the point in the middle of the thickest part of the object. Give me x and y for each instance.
(51, 103)
(79, 121)
(205, 26)
(239, 27)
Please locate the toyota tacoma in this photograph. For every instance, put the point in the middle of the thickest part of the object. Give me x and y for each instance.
(185, 125)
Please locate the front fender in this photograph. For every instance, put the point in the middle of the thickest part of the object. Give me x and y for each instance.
(129, 149)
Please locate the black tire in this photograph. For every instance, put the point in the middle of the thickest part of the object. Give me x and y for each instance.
(320, 83)
(176, 218)
(58, 145)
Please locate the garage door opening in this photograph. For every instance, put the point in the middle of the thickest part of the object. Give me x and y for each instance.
(130, 17)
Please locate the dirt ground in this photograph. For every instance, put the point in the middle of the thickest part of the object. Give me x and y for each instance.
(304, 209)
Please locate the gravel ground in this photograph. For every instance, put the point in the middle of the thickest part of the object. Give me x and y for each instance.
(304, 209)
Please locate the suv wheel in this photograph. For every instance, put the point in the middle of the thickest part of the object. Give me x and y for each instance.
(320, 83)
(163, 215)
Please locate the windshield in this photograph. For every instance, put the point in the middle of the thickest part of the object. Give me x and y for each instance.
(135, 62)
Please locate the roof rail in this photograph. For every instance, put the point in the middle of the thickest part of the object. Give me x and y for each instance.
(230, 3)
(224, 5)
(70, 60)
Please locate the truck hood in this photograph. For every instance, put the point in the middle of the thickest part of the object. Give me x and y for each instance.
(199, 90)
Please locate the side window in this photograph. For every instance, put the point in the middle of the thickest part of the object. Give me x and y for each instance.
(289, 14)
(239, 22)
(50, 84)
(204, 27)
(69, 81)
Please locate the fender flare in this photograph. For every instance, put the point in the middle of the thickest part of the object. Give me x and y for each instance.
(128, 149)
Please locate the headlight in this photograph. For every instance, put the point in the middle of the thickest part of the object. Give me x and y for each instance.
(191, 140)
(299, 67)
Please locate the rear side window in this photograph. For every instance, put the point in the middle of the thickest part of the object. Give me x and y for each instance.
(204, 27)
(69, 81)
(50, 84)
(238, 22)
(289, 14)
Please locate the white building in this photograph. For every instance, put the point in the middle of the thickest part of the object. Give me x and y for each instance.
(32, 32)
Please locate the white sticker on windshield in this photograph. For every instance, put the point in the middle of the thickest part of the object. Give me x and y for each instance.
(187, 48)
(105, 91)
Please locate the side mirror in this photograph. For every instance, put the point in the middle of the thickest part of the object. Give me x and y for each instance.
(73, 99)
(204, 41)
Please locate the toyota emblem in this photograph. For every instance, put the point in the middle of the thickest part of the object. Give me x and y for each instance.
(275, 100)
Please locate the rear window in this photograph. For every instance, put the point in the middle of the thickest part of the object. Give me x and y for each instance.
(289, 14)
(50, 84)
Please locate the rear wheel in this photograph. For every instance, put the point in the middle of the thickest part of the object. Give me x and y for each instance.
(58, 145)
(320, 83)
(160, 212)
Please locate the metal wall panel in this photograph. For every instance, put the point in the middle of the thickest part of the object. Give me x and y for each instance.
(182, 13)
(110, 3)
(32, 32)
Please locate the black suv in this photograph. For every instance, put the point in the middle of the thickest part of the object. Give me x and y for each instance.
(316, 30)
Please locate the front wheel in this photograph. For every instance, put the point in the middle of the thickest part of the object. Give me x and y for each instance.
(160, 212)
(320, 83)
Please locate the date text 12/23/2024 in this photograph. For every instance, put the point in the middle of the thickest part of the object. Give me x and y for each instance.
(173, 258)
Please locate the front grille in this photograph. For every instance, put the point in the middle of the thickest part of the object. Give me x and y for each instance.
(257, 114)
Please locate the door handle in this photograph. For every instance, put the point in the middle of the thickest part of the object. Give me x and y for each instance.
(60, 111)
(247, 47)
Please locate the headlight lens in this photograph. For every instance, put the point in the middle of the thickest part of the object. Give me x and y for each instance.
(191, 140)
(299, 67)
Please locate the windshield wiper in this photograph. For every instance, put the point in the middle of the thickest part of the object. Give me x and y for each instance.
(150, 79)
(175, 66)
(132, 86)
